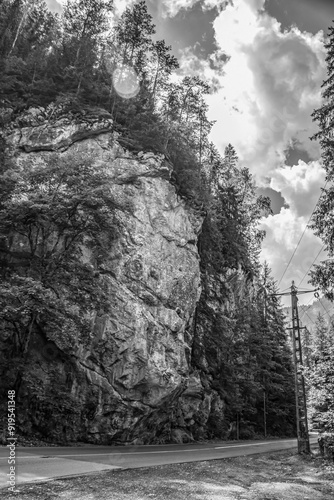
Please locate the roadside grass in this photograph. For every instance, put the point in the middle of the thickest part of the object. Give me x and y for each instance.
(281, 475)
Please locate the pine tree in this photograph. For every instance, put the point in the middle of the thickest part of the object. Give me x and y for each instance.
(321, 375)
(275, 359)
(84, 22)
(320, 337)
(133, 36)
(163, 64)
(325, 114)
(320, 379)
(323, 218)
(24, 56)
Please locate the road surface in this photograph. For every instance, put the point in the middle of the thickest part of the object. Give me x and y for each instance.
(40, 464)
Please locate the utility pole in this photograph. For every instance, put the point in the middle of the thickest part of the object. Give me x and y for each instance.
(300, 392)
(264, 413)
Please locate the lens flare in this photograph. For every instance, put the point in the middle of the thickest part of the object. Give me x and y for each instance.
(125, 81)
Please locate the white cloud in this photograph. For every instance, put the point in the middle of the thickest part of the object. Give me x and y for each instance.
(121, 5)
(301, 187)
(284, 230)
(210, 69)
(270, 87)
(170, 8)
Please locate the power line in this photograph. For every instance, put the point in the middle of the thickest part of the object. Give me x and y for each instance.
(321, 249)
(295, 250)
(300, 239)
(305, 312)
(330, 311)
(324, 308)
(309, 317)
(312, 298)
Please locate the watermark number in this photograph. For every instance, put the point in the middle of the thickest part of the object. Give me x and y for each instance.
(11, 441)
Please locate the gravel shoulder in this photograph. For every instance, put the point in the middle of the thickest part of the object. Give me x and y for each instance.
(273, 476)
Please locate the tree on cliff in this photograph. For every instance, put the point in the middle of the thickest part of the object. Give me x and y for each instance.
(133, 36)
(57, 223)
(84, 23)
(231, 228)
(26, 48)
(163, 63)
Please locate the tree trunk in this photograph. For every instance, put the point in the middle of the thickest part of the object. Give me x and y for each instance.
(24, 15)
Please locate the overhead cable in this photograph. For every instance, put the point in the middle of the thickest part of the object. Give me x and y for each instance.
(305, 312)
(324, 308)
(321, 249)
(300, 239)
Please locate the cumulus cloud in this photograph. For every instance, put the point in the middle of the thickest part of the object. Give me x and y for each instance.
(210, 69)
(169, 8)
(284, 231)
(301, 187)
(172, 7)
(121, 5)
(270, 87)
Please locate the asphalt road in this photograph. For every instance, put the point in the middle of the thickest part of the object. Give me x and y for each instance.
(38, 464)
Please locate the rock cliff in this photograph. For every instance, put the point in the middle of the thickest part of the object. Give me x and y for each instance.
(134, 383)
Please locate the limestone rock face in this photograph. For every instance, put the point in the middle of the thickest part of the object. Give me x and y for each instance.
(134, 383)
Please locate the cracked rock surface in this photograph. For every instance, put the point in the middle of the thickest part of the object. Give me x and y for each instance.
(134, 381)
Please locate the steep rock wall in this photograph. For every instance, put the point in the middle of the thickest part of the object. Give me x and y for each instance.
(134, 383)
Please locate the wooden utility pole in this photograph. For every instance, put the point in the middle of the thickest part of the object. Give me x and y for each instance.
(264, 413)
(300, 393)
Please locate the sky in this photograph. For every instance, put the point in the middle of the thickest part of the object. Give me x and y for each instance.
(266, 61)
